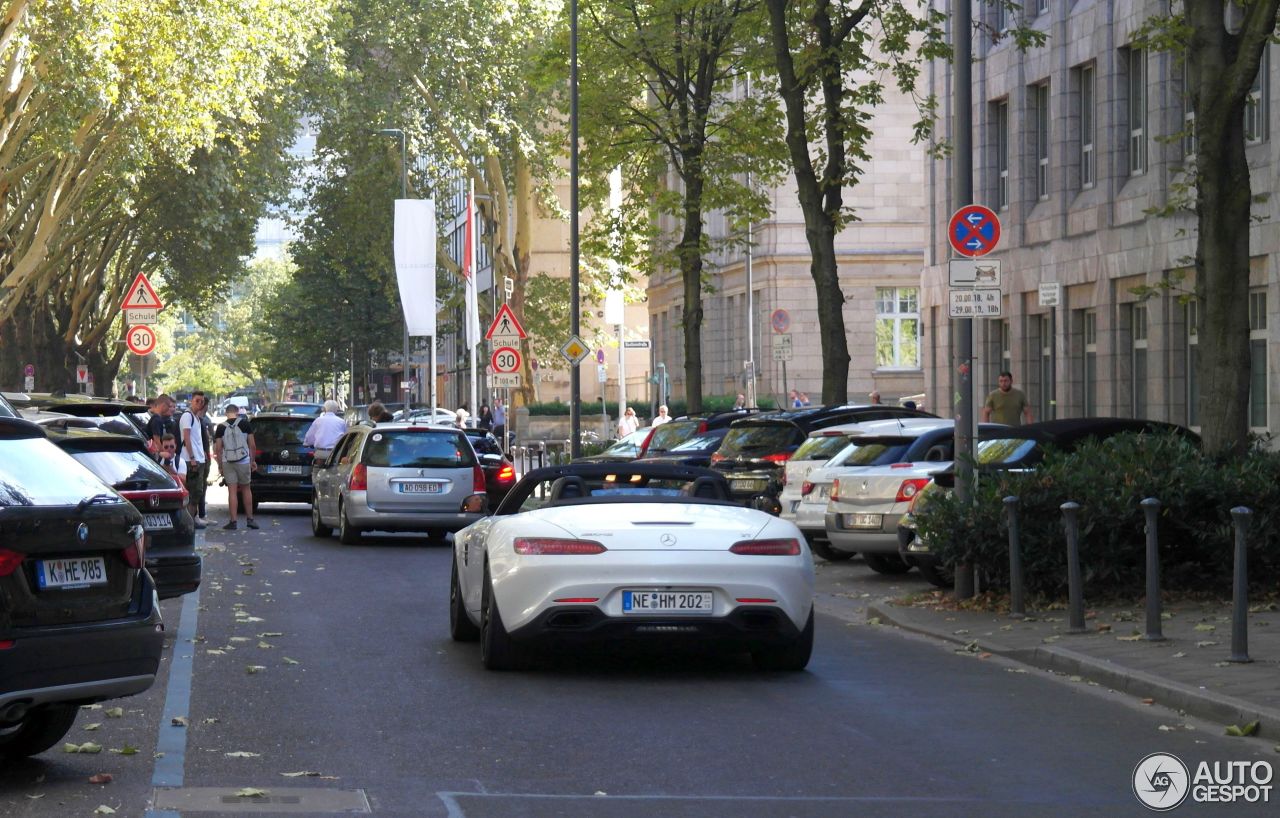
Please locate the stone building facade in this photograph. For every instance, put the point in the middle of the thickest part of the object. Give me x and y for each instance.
(1077, 146)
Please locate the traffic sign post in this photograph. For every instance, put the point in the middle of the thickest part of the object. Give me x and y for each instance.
(141, 315)
(780, 320)
(574, 350)
(974, 304)
(140, 339)
(505, 326)
(782, 347)
(974, 231)
(82, 374)
(505, 360)
(967, 272)
(141, 295)
(505, 380)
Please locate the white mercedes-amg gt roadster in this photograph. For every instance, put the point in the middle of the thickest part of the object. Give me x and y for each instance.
(605, 552)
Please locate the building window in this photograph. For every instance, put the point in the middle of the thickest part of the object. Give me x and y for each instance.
(1040, 103)
(1258, 360)
(1042, 6)
(1088, 89)
(1255, 105)
(1193, 363)
(1138, 359)
(1000, 17)
(1046, 368)
(1090, 373)
(1136, 68)
(1188, 112)
(897, 328)
(1006, 348)
(1002, 154)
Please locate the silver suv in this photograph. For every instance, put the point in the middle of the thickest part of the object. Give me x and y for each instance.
(398, 477)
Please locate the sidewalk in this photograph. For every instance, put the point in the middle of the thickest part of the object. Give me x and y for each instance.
(1188, 671)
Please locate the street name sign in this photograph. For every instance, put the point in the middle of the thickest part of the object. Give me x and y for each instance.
(505, 380)
(505, 325)
(639, 344)
(141, 315)
(968, 272)
(975, 304)
(505, 361)
(1050, 294)
(141, 294)
(574, 351)
(782, 347)
(974, 230)
(141, 340)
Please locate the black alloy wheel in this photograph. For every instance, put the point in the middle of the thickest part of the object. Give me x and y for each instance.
(41, 728)
(318, 528)
(791, 657)
(461, 628)
(497, 650)
(348, 534)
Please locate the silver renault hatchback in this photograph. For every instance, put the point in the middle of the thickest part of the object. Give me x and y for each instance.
(397, 477)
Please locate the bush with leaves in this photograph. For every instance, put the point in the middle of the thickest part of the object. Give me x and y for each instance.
(1109, 479)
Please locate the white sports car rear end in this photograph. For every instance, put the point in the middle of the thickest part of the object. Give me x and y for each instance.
(585, 553)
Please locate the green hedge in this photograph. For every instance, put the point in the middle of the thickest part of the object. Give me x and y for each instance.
(676, 408)
(1108, 479)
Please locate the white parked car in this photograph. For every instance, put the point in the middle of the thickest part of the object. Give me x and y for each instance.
(807, 481)
(606, 551)
(869, 495)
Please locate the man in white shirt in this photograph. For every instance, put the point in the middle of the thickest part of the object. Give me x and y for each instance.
(662, 416)
(324, 432)
(195, 455)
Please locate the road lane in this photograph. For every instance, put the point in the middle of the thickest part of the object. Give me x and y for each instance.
(382, 705)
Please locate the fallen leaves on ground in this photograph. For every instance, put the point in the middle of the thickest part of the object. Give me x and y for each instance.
(127, 750)
(101, 778)
(1250, 729)
(302, 773)
(178, 721)
(103, 809)
(252, 792)
(243, 754)
(94, 726)
(87, 747)
(252, 669)
(114, 713)
(289, 661)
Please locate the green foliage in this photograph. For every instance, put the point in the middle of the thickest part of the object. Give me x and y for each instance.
(1109, 479)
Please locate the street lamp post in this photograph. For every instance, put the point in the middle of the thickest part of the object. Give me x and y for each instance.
(575, 377)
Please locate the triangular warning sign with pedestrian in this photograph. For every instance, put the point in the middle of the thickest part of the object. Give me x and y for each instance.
(141, 295)
(505, 325)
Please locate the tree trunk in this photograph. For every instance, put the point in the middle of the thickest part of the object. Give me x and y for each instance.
(690, 254)
(32, 337)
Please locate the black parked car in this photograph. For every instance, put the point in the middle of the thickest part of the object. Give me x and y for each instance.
(293, 407)
(696, 451)
(79, 621)
(284, 461)
(124, 464)
(1018, 447)
(753, 454)
(675, 432)
(499, 472)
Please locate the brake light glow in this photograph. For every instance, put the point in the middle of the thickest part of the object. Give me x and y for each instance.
(755, 600)
(780, 457)
(806, 488)
(702, 427)
(717, 457)
(782, 547)
(179, 494)
(5, 644)
(359, 478)
(533, 546)
(835, 489)
(570, 600)
(506, 474)
(477, 479)
(910, 488)
(9, 561)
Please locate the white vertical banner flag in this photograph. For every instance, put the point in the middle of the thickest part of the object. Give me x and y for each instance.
(415, 257)
(470, 265)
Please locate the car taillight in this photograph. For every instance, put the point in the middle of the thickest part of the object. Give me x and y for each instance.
(506, 474)
(257, 453)
(179, 494)
(717, 457)
(835, 489)
(780, 457)
(477, 479)
(910, 488)
(9, 561)
(135, 556)
(702, 427)
(555, 545)
(806, 488)
(767, 548)
(359, 478)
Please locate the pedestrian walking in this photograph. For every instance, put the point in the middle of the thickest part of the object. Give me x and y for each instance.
(195, 451)
(741, 402)
(662, 416)
(233, 449)
(875, 398)
(462, 415)
(628, 423)
(1006, 404)
(162, 422)
(804, 398)
(324, 432)
(484, 420)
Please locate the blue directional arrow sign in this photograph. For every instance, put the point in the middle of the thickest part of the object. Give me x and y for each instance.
(974, 231)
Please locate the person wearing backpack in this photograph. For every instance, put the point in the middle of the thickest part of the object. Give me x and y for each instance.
(233, 449)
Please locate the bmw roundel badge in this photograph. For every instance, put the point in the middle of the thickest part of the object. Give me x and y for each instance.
(82, 533)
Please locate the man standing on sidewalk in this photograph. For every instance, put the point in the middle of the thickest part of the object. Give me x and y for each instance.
(324, 432)
(233, 449)
(1006, 404)
(196, 453)
(162, 422)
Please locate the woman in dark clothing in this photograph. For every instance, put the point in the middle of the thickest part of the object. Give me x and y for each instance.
(485, 418)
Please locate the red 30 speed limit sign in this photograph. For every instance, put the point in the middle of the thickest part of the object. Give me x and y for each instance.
(505, 360)
(140, 339)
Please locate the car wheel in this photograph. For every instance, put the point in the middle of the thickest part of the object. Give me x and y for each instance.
(497, 650)
(318, 528)
(886, 563)
(792, 657)
(347, 533)
(461, 628)
(39, 730)
(824, 549)
(939, 576)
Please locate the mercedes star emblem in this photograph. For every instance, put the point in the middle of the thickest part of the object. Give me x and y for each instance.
(667, 539)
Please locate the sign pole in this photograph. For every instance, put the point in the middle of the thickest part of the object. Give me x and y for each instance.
(962, 334)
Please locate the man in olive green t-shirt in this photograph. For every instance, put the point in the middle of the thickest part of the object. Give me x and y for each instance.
(1006, 404)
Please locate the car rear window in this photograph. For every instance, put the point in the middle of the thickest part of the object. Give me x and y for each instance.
(413, 449)
(126, 471)
(34, 472)
(878, 451)
(755, 439)
(707, 441)
(821, 447)
(669, 435)
(6, 410)
(116, 425)
(484, 444)
(1004, 450)
(270, 433)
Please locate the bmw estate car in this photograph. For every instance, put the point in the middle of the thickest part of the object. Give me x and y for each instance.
(608, 552)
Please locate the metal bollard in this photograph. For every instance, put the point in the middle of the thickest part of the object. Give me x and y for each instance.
(1241, 516)
(1017, 607)
(1071, 522)
(1151, 507)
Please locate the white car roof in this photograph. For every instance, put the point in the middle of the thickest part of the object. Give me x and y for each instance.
(885, 427)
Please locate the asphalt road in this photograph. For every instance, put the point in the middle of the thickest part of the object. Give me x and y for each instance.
(306, 656)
